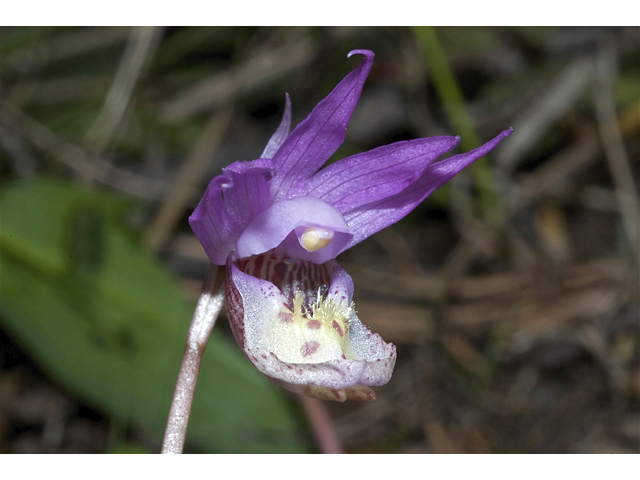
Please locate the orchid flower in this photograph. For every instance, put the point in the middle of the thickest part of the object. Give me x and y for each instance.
(279, 222)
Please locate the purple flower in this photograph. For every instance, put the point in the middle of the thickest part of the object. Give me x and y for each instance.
(278, 223)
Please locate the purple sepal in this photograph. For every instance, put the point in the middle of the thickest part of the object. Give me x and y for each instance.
(319, 135)
(266, 204)
(377, 174)
(373, 217)
(277, 139)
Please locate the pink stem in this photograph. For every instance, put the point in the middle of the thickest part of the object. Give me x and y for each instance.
(204, 318)
(324, 430)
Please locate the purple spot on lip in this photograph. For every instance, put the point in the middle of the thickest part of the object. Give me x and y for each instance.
(285, 317)
(337, 328)
(308, 348)
(313, 324)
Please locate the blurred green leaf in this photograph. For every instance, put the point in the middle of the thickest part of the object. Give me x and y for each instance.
(129, 449)
(102, 315)
(455, 107)
(627, 89)
(468, 41)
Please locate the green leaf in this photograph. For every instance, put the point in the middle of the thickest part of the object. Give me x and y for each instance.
(101, 315)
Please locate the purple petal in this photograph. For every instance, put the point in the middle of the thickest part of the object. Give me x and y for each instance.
(377, 174)
(276, 140)
(229, 204)
(279, 222)
(371, 218)
(319, 135)
(255, 307)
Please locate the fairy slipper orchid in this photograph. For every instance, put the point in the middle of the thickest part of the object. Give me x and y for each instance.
(279, 222)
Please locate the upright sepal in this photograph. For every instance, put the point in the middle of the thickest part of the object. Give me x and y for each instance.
(281, 134)
(319, 135)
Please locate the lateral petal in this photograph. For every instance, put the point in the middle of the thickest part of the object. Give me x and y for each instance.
(228, 206)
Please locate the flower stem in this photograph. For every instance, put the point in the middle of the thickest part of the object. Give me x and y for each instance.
(204, 318)
(322, 425)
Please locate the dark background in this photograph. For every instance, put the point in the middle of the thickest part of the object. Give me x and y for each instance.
(512, 293)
